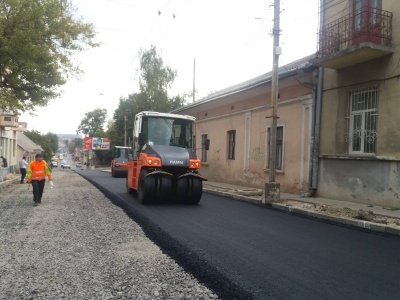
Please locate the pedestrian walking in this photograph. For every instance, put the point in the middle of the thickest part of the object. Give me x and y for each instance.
(22, 168)
(36, 174)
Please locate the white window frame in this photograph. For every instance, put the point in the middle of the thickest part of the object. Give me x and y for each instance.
(361, 132)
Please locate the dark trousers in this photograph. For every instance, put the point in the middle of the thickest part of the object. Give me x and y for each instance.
(38, 187)
(23, 174)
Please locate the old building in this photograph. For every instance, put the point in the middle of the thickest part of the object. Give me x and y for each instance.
(360, 138)
(237, 122)
(26, 147)
(8, 141)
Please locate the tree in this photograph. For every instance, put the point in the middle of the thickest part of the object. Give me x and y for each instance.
(93, 122)
(38, 39)
(154, 82)
(53, 138)
(43, 140)
(75, 143)
(115, 135)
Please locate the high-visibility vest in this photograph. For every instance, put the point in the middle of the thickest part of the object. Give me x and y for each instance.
(38, 171)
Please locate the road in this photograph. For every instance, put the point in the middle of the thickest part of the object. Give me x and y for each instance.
(246, 251)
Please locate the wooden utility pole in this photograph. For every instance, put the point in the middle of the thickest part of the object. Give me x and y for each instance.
(272, 189)
(274, 92)
(194, 80)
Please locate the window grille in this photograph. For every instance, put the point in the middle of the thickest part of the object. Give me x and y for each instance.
(361, 133)
(203, 148)
(231, 144)
(279, 147)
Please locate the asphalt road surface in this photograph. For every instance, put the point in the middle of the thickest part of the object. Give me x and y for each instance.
(246, 251)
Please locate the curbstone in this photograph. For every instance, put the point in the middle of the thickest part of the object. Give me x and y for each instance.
(8, 182)
(366, 225)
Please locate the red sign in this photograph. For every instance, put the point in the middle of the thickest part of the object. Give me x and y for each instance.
(87, 143)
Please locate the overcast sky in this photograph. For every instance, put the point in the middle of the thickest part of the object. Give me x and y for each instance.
(230, 40)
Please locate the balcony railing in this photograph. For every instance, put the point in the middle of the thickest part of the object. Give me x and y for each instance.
(364, 25)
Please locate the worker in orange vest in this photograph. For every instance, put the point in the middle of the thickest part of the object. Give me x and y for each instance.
(36, 174)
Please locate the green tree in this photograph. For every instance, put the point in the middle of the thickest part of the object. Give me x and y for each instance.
(38, 39)
(115, 135)
(53, 138)
(43, 141)
(93, 122)
(75, 143)
(154, 83)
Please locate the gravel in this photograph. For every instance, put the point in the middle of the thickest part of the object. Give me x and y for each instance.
(78, 245)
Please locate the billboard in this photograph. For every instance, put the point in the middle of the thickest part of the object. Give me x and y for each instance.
(96, 143)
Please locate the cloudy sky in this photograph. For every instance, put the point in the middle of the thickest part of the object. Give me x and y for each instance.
(229, 39)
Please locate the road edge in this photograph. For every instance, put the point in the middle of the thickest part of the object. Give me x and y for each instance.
(357, 224)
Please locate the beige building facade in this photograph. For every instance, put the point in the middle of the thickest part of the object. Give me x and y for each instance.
(359, 52)
(237, 122)
(8, 142)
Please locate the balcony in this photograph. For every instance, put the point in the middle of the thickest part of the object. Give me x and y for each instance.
(358, 37)
(7, 120)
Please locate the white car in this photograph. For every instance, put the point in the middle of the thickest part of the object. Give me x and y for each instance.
(54, 164)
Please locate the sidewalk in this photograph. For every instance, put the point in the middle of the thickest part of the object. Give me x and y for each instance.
(373, 218)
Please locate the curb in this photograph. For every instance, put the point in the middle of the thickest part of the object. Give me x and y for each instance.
(234, 196)
(342, 220)
(9, 182)
(360, 224)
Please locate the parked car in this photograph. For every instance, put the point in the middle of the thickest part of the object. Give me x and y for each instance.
(54, 163)
(78, 164)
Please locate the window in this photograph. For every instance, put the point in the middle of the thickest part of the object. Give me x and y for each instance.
(366, 12)
(231, 144)
(362, 119)
(203, 148)
(279, 147)
(167, 131)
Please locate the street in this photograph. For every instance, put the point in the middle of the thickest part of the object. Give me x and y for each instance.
(250, 251)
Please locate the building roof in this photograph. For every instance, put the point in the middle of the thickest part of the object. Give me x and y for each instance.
(27, 144)
(286, 70)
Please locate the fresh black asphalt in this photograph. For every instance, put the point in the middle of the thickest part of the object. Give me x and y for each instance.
(246, 251)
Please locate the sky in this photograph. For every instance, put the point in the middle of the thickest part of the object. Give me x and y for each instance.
(229, 40)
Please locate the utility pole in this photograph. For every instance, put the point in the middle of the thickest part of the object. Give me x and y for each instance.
(194, 79)
(272, 189)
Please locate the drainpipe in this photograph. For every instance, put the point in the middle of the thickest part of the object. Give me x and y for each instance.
(316, 121)
(316, 129)
(312, 141)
